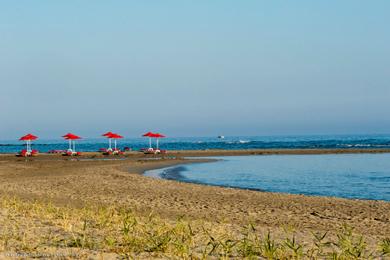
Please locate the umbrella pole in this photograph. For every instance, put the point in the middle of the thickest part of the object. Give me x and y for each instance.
(70, 144)
(109, 143)
(150, 142)
(74, 146)
(115, 143)
(157, 143)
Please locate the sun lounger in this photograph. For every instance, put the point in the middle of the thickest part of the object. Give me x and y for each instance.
(148, 151)
(154, 151)
(113, 152)
(117, 152)
(25, 153)
(107, 152)
(71, 153)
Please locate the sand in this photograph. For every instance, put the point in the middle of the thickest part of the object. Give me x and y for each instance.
(91, 181)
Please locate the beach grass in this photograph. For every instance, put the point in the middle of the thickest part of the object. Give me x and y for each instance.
(41, 229)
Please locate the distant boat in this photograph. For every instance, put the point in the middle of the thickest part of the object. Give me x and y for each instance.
(221, 136)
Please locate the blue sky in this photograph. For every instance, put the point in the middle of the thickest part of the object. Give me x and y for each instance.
(194, 68)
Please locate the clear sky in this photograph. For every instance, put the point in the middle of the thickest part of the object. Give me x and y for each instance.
(194, 68)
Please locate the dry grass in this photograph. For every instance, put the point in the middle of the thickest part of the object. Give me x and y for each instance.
(38, 229)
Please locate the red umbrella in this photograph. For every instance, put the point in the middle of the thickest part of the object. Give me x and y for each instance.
(109, 138)
(28, 138)
(150, 135)
(114, 136)
(70, 137)
(157, 135)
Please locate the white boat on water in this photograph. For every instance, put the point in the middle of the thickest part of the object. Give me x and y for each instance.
(221, 136)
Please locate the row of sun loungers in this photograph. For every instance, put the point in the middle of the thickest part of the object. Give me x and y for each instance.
(104, 151)
(25, 153)
(68, 152)
(120, 152)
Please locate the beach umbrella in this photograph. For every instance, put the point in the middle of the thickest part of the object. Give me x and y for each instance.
(109, 138)
(66, 137)
(115, 136)
(28, 138)
(71, 137)
(150, 135)
(157, 136)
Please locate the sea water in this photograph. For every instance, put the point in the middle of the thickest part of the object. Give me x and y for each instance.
(355, 176)
(204, 143)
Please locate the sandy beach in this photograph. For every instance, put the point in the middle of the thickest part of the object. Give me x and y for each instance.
(89, 180)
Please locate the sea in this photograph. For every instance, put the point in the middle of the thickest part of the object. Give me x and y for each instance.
(205, 143)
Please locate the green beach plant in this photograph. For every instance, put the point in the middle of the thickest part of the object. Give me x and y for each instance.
(297, 249)
(384, 247)
(350, 245)
(269, 247)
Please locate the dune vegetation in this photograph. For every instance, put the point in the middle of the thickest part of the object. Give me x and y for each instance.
(38, 229)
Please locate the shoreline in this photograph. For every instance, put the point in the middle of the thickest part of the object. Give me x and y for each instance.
(175, 159)
(176, 175)
(167, 163)
(179, 158)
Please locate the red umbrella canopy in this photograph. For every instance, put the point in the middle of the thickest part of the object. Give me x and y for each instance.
(67, 135)
(28, 137)
(107, 134)
(70, 136)
(114, 136)
(148, 134)
(157, 135)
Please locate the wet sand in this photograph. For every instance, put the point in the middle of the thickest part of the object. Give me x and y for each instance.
(90, 181)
